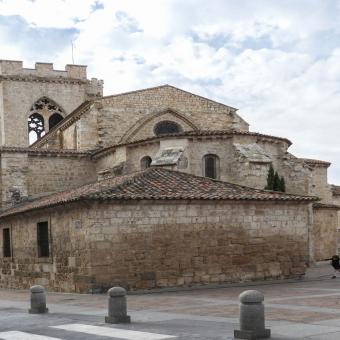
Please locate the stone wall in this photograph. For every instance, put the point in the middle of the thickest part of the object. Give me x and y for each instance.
(122, 112)
(69, 252)
(52, 174)
(296, 173)
(36, 174)
(232, 167)
(319, 185)
(147, 129)
(153, 244)
(14, 170)
(325, 233)
(336, 200)
(21, 87)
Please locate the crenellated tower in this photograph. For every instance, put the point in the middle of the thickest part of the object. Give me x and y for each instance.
(34, 100)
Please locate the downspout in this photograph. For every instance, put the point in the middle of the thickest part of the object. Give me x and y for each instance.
(310, 238)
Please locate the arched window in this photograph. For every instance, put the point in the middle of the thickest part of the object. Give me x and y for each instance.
(43, 110)
(54, 120)
(166, 127)
(145, 162)
(211, 165)
(36, 127)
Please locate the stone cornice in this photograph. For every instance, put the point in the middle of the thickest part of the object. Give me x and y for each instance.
(194, 135)
(44, 152)
(33, 78)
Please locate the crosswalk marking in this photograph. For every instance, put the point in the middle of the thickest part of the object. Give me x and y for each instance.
(113, 332)
(16, 335)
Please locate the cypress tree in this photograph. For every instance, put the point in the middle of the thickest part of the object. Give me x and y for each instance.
(282, 184)
(270, 178)
(276, 182)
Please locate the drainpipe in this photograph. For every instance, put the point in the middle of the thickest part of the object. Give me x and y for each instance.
(310, 238)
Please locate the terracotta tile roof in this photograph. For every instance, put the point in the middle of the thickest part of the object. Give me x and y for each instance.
(157, 184)
(316, 162)
(196, 133)
(326, 206)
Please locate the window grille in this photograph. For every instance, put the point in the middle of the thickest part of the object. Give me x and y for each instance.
(36, 124)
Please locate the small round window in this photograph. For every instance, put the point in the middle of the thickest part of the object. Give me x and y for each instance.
(166, 127)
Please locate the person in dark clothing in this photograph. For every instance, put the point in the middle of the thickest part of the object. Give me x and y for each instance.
(335, 263)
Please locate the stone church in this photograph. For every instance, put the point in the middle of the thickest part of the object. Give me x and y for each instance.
(147, 189)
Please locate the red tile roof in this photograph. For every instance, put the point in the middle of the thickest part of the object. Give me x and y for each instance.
(316, 162)
(157, 184)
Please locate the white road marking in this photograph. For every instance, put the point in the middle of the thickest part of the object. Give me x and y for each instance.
(16, 335)
(113, 332)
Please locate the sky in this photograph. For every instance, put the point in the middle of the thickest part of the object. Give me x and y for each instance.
(278, 61)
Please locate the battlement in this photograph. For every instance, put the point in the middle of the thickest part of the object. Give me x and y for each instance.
(15, 68)
(95, 88)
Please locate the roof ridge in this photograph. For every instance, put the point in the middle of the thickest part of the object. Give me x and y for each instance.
(157, 184)
(224, 182)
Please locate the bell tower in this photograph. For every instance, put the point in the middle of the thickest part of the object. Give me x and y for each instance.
(37, 99)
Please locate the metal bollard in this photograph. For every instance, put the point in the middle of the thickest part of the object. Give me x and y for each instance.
(252, 317)
(38, 300)
(117, 306)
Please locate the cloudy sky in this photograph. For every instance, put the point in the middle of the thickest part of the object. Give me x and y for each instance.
(278, 61)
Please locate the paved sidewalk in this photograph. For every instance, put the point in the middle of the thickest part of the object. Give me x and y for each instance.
(298, 310)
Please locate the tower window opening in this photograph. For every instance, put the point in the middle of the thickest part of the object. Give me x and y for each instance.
(43, 110)
(36, 126)
(54, 120)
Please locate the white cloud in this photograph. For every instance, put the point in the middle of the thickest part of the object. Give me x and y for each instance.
(275, 60)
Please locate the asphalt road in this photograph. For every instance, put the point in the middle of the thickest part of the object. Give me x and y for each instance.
(298, 310)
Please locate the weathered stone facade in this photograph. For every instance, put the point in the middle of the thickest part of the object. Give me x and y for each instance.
(324, 235)
(101, 137)
(151, 244)
(68, 89)
(35, 173)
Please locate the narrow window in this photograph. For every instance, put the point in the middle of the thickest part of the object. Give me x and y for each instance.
(6, 239)
(210, 165)
(43, 240)
(145, 162)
